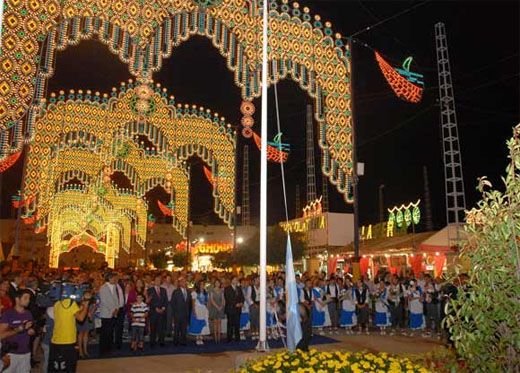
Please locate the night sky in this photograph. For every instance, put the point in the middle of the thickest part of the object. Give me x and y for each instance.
(395, 139)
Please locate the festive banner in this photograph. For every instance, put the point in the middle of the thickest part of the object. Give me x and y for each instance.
(331, 265)
(417, 265)
(363, 266)
(440, 260)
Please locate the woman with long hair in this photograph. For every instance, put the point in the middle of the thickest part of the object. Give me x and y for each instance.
(199, 324)
(216, 309)
(5, 301)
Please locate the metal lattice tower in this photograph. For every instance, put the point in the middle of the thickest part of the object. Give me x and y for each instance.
(298, 202)
(325, 193)
(246, 218)
(427, 201)
(311, 172)
(454, 181)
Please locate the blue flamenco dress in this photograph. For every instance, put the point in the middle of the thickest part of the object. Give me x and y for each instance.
(199, 324)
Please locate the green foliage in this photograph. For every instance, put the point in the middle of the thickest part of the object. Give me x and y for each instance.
(223, 260)
(485, 319)
(249, 252)
(159, 260)
(180, 259)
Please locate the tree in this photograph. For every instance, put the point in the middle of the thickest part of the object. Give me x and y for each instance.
(180, 258)
(223, 259)
(485, 318)
(249, 253)
(159, 260)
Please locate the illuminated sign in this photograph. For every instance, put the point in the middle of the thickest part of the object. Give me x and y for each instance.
(206, 248)
(304, 225)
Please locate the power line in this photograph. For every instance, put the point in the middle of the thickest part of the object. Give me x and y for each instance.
(397, 127)
(407, 10)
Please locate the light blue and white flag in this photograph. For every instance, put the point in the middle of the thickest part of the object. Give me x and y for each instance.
(292, 312)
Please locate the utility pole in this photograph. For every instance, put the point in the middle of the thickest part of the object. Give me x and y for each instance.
(381, 204)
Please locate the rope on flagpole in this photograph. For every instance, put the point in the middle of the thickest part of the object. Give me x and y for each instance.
(280, 146)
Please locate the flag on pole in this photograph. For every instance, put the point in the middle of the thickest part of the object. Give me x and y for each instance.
(292, 312)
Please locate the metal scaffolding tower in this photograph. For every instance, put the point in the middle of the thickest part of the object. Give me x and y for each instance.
(454, 181)
(325, 193)
(427, 201)
(311, 172)
(246, 218)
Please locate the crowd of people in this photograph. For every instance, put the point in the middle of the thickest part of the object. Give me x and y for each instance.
(110, 307)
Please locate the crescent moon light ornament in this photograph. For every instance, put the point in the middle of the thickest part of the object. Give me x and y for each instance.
(407, 85)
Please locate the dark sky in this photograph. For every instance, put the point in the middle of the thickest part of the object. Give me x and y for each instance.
(395, 139)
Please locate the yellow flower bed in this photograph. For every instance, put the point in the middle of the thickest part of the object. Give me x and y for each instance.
(316, 361)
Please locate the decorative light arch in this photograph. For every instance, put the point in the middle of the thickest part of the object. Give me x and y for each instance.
(302, 47)
(181, 131)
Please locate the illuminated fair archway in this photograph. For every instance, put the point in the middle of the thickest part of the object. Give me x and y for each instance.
(302, 48)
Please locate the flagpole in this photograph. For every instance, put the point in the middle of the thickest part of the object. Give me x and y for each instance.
(262, 342)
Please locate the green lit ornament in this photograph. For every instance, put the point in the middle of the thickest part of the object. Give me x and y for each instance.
(416, 215)
(207, 3)
(399, 218)
(407, 217)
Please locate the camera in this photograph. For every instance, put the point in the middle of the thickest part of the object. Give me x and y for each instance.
(60, 290)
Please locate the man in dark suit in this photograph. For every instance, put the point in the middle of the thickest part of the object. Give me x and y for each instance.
(181, 305)
(121, 315)
(234, 300)
(158, 300)
(14, 285)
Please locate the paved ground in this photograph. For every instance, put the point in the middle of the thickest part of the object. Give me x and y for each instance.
(226, 362)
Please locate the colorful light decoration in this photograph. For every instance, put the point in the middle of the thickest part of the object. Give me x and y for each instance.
(91, 136)
(404, 215)
(142, 34)
(314, 208)
(9, 161)
(166, 210)
(209, 175)
(87, 137)
(274, 153)
(209, 248)
(406, 85)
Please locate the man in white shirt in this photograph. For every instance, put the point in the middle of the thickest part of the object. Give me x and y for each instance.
(109, 304)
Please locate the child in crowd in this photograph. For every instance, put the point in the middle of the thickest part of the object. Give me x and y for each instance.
(139, 315)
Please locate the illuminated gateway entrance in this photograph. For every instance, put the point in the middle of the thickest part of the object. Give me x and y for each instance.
(76, 140)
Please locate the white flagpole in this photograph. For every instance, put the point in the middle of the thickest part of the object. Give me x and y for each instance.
(262, 342)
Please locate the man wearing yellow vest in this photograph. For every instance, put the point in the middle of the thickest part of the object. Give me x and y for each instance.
(63, 356)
